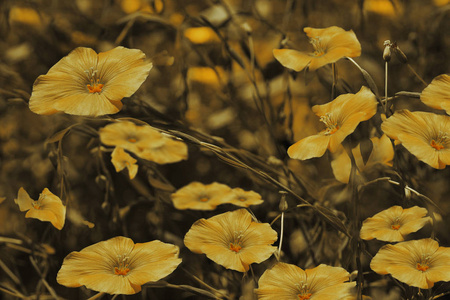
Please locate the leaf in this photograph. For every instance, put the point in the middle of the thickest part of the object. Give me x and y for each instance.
(367, 77)
(59, 135)
(331, 218)
(366, 147)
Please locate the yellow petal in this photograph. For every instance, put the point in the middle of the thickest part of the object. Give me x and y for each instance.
(309, 147)
(23, 200)
(437, 93)
(292, 59)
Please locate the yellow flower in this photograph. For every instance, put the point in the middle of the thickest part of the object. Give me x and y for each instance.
(47, 208)
(118, 266)
(89, 84)
(286, 281)
(341, 117)
(199, 196)
(122, 160)
(169, 151)
(425, 135)
(382, 153)
(245, 198)
(232, 240)
(437, 93)
(393, 224)
(418, 263)
(330, 44)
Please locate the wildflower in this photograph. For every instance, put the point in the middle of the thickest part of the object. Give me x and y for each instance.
(286, 281)
(232, 240)
(330, 44)
(418, 263)
(48, 208)
(199, 196)
(425, 135)
(382, 153)
(118, 266)
(394, 223)
(437, 93)
(169, 151)
(341, 117)
(245, 198)
(89, 84)
(122, 160)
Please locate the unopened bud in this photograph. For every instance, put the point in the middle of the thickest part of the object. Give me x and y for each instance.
(283, 204)
(401, 56)
(387, 51)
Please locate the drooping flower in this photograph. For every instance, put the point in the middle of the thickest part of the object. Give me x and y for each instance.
(121, 160)
(48, 208)
(382, 153)
(437, 93)
(89, 84)
(199, 196)
(330, 44)
(341, 117)
(418, 263)
(232, 239)
(245, 198)
(394, 223)
(425, 135)
(286, 281)
(118, 265)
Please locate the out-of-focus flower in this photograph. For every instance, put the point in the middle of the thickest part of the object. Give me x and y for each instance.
(245, 198)
(169, 151)
(382, 153)
(394, 223)
(25, 15)
(121, 160)
(199, 196)
(341, 117)
(286, 281)
(118, 266)
(89, 84)
(418, 263)
(437, 93)
(47, 208)
(330, 44)
(232, 239)
(425, 135)
(201, 35)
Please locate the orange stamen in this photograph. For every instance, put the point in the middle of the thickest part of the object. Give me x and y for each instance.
(121, 271)
(421, 267)
(132, 140)
(395, 227)
(436, 145)
(235, 248)
(242, 199)
(96, 87)
(332, 130)
(304, 296)
(204, 199)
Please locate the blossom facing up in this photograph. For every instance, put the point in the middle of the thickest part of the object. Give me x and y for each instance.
(48, 208)
(394, 223)
(199, 196)
(118, 265)
(169, 151)
(425, 135)
(286, 281)
(89, 84)
(121, 160)
(437, 93)
(232, 239)
(418, 263)
(244, 198)
(341, 117)
(330, 44)
(382, 153)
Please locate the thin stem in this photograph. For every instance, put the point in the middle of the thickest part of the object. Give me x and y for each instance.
(333, 87)
(385, 86)
(417, 75)
(281, 236)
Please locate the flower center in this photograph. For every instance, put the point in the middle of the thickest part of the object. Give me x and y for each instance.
(95, 86)
(235, 244)
(132, 140)
(422, 267)
(424, 264)
(235, 247)
(122, 267)
(204, 199)
(38, 203)
(396, 224)
(242, 199)
(318, 47)
(304, 296)
(439, 142)
(303, 291)
(332, 126)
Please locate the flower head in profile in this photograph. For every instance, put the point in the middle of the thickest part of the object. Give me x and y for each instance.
(48, 208)
(418, 263)
(341, 117)
(382, 154)
(437, 93)
(244, 198)
(425, 135)
(199, 196)
(232, 240)
(121, 160)
(394, 223)
(118, 265)
(330, 44)
(286, 281)
(89, 84)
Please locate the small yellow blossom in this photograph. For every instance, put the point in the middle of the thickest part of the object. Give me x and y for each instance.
(418, 263)
(393, 224)
(89, 84)
(437, 93)
(121, 160)
(330, 44)
(232, 240)
(199, 196)
(245, 198)
(47, 208)
(118, 265)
